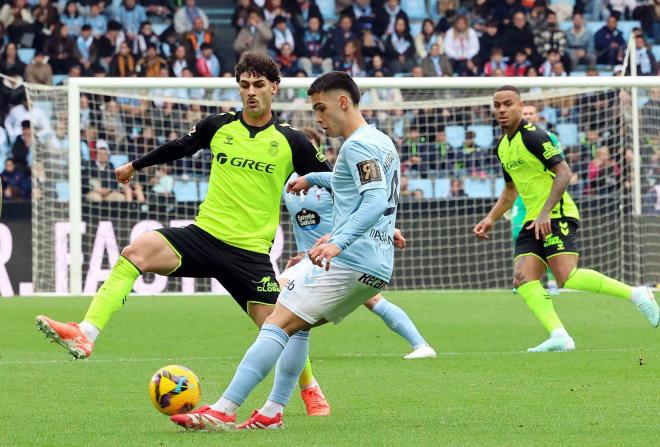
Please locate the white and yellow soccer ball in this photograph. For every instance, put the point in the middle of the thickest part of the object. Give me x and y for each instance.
(174, 389)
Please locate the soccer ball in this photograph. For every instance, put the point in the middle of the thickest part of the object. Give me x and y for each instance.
(174, 389)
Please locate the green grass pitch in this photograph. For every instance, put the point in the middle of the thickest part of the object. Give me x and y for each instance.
(482, 390)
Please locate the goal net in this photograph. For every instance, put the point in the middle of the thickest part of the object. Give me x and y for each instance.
(444, 131)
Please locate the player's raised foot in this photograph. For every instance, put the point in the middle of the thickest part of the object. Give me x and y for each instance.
(422, 352)
(205, 419)
(260, 422)
(556, 343)
(552, 287)
(67, 335)
(643, 298)
(315, 401)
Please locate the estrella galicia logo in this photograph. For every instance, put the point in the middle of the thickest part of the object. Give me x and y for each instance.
(245, 163)
(266, 284)
(307, 219)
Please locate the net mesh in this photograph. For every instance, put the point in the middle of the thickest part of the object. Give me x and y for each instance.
(450, 179)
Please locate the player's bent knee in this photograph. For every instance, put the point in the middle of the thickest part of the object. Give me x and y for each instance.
(371, 303)
(287, 320)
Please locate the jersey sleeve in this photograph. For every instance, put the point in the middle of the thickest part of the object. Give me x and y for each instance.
(539, 143)
(306, 157)
(198, 137)
(365, 166)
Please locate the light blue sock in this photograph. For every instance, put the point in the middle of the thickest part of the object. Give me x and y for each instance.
(399, 321)
(289, 366)
(257, 363)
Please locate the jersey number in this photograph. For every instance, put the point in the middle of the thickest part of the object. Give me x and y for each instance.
(394, 195)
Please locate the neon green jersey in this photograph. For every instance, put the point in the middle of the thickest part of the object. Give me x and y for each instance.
(249, 168)
(527, 159)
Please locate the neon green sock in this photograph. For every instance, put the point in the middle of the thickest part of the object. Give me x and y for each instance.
(539, 302)
(306, 376)
(112, 293)
(592, 281)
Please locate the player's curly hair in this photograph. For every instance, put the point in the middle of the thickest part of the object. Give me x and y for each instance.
(258, 64)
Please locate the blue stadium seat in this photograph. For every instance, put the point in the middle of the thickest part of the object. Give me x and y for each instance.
(568, 134)
(185, 190)
(566, 25)
(159, 27)
(59, 78)
(656, 52)
(626, 27)
(441, 186)
(455, 136)
(477, 187)
(118, 160)
(415, 9)
(578, 73)
(483, 135)
(327, 8)
(499, 186)
(415, 27)
(594, 26)
(62, 191)
(203, 189)
(426, 185)
(26, 55)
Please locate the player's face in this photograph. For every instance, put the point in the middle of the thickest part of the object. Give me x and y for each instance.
(256, 93)
(330, 108)
(529, 113)
(507, 108)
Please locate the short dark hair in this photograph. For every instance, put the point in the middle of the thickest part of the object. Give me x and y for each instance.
(258, 64)
(508, 88)
(336, 80)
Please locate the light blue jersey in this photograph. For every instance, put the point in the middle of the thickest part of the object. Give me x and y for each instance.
(367, 160)
(311, 215)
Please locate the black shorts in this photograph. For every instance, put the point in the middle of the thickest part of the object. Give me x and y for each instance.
(563, 240)
(248, 276)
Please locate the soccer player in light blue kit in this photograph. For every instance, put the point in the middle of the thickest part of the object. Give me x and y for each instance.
(350, 266)
(311, 219)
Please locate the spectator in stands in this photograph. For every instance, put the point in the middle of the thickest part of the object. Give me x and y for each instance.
(115, 129)
(558, 70)
(273, 9)
(15, 182)
(46, 16)
(604, 173)
(580, 43)
(185, 17)
(39, 71)
(377, 65)
(609, 43)
(503, 11)
(96, 20)
(341, 33)
(456, 189)
(446, 21)
(417, 71)
(208, 64)
(162, 183)
(107, 45)
(461, 45)
(17, 114)
(549, 37)
(84, 42)
(301, 13)
(371, 46)
(546, 68)
(62, 50)
(20, 150)
(426, 38)
(622, 8)
(256, 36)
(415, 152)
(198, 36)
(519, 65)
(72, 18)
(404, 192)
(287, 61)
(99, 182)
(519, 37)
(441, 157)
(240, 18)
(351, 61)
(490, 39)
(17, 19)
(181, 60)
(314, 55)
(150, 65)
(495, 62)
(9, 61)
(362, 15)
(123, 63)
(145, 37)
(435, 63)
(158, 11)
(131, 15)
(400, 48)
(282, 34)
(386, 17)
(646, 63)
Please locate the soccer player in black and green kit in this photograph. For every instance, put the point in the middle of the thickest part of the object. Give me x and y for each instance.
(253, 156)
(535, 168)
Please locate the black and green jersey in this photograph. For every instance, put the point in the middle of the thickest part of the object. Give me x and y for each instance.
(527, 159)
(249, 168)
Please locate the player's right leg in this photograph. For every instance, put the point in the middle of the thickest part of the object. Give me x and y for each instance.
(150, 252)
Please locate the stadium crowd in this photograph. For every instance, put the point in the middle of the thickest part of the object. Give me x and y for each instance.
(48, 41)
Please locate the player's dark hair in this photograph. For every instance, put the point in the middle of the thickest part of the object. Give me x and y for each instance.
(257, 64)
(508, 88)
(336, 80)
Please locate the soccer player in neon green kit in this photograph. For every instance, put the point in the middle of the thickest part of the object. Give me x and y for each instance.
(534, 168)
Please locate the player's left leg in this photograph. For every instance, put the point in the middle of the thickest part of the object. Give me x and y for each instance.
(399, 322)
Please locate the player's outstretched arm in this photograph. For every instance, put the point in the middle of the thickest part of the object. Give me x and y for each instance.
(504, 203)
(541, 225)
